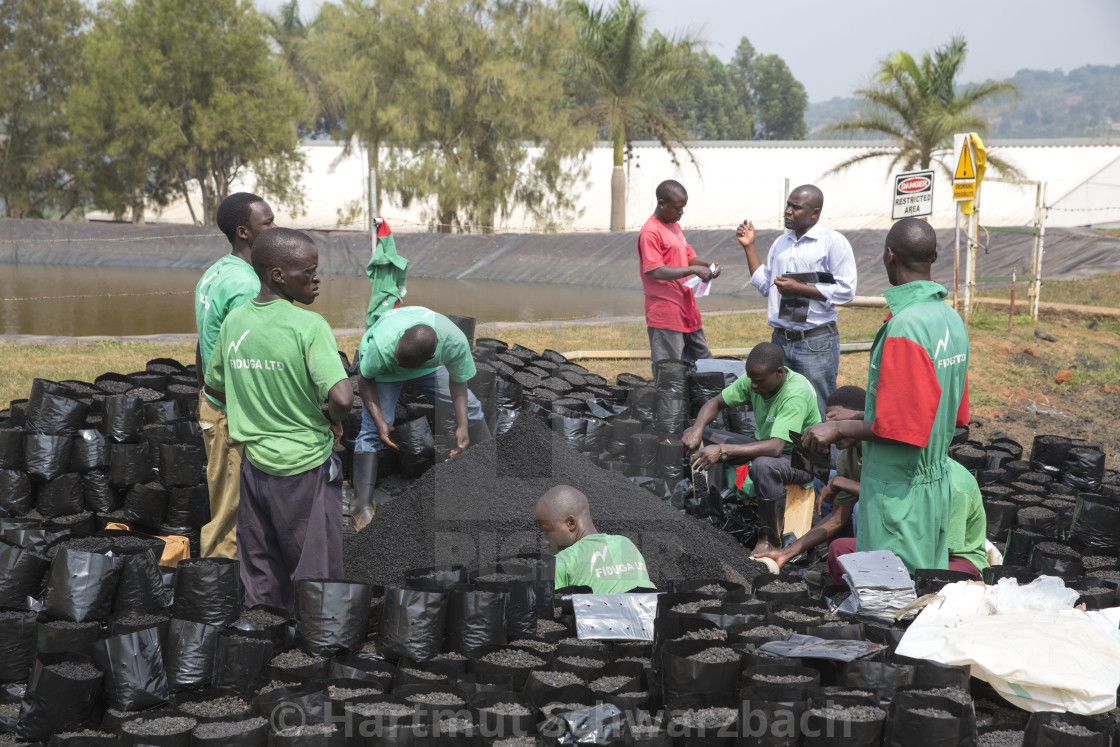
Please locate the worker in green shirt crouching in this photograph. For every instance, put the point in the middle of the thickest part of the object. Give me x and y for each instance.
(608, 563)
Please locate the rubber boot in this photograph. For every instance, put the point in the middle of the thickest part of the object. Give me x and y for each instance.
(365, 480)
(771, 519)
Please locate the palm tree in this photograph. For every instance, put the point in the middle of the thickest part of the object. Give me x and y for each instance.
(919, 106)
(627, 79)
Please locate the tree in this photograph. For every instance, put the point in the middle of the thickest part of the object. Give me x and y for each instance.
(919, 106)
(457, 93)
(627, 77)
(292, 36)
(768, 90)
(185, 92)
(40, 46)
(711, 107)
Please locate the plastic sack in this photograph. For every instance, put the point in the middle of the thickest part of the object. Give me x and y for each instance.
(133, 665)
(61, 496)
(331, 616)
(189, 653)
(17, 496)
(129, 464)
(476, 618)
(413, 622)
(999, 630)
(417, 446)
(63, 694)
(17, 645)
(145, 505)
(21, 574)
(11, 448)
(208, 590)
(124, 418)
(81, 586)
(180, 465)
(90, 451)
(46, 457)
(97, 495)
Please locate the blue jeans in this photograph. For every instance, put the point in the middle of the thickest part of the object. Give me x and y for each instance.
(817, 358)
(436, 386)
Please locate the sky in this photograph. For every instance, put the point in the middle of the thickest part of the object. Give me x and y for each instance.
(833, 46)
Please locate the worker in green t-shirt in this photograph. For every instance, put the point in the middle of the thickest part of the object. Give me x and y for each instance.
(782, 401)
(275, 364)
(225, 285)
(608, 563)
(842, 489)
(417, 346)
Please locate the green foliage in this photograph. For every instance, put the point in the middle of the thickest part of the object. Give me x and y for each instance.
(1051, 104)
(711, 107)
(182, 93)
(37, 161)
(919, 106)
(775, 99)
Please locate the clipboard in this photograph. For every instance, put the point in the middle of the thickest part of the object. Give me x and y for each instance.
(812, 278)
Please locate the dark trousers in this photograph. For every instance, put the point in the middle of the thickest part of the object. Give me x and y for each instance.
(288, 528)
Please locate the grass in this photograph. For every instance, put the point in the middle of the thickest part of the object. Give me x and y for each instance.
(1099, 290)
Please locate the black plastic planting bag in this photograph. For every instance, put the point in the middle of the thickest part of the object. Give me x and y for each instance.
(240, 658)
(1083, 469)
(97, 494)
(1096, 526)
(129, 464)
(90, 451)
(417, 446)
(641, 455)
(63, 694)
(684, 676)
(603, 724)
(141, 586)
(571, 430)
(17, 496)
(476, 618)
(133, 665)
(161, 411)
(21, 574)
(642, 401)
(523, 603)
(1000, 517)
(11, 448)
(1049, 453)
(124, 418)
(670, 460)
(180, 465)
(621, 431)
(81, 586)
(672, 412)
(61, 496)
(46, 457)
(208, 590)
(54, 414)
(413, 622)
(17, 645)
(188, 653)
(331, 616)
(145, 505)
(1051, 729)
(912, 722)
(188, 507)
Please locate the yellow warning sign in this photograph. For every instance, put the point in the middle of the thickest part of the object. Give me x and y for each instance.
(966, 169)
(964, 191)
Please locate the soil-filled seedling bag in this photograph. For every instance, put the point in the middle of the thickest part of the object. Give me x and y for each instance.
(1096, 594)
(331, 615)
(1000, 517)
(181, 465)
(504, 714)
(522, 607)
(288, 707)
(81, 586)
(1048, 453)
(705, 720)
(36, 538)
(417, 446)
(17, 643)
(90, 451)
(54, 414)
(188, 506)
(240, 658)
(129, 464)
(46, 457)
(189, 654)
(98, 495)
(670, 460)
(642, 401)
(145, 505)
(161, 411)
(621, 430)
(62, 496)
(694, 667)
(21, 575)
(1096, 526)
(1083, 469)
(1049, 729)
(124, 418)
(158, 728)
(1055, 559)
(63, 694)
(602, 724)
(208, 590)
(1020, 544)
(11, 448)
(440, 577)
(133, 665)
(855, 725)
(243, 732)
(141, 586)
(641, 455)
(63, 636)
(570, 430)
(476, 618)
(17, 495)
(413, 622)
(923, 720)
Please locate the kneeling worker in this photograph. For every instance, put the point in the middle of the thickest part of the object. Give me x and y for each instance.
(416, 346)
(782, 401)
(608, 563)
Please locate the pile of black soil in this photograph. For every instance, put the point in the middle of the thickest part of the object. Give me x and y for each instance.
(478, 507)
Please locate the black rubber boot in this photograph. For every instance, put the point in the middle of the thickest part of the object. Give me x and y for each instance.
(365, 481)
(771, 519)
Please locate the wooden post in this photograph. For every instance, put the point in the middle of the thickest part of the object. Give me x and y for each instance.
(957, 257)
(1011, 308)
(1037, 280)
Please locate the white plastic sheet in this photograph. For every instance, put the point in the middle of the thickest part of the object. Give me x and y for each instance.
(1027, 642)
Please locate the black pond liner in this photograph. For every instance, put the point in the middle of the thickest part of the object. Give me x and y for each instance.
(331, 615)
(208, 590)
(81, 586)
(17, 644)
(63, 694)
(413, 622)
(17, 494)
(189, 654)
(135, 677)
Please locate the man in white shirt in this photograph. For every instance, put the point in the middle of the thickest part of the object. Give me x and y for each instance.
(809, 270)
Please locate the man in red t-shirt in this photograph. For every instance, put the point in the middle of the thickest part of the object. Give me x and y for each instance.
(666, 261)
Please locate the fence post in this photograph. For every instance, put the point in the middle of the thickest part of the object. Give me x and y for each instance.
(1037, 280)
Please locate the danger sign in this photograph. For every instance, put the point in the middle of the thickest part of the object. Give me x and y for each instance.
(913, 195)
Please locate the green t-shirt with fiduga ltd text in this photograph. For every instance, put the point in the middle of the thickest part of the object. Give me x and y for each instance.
(228, 283)
(608, 563)
(276, 364)
(378, 350)
(792, 408)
